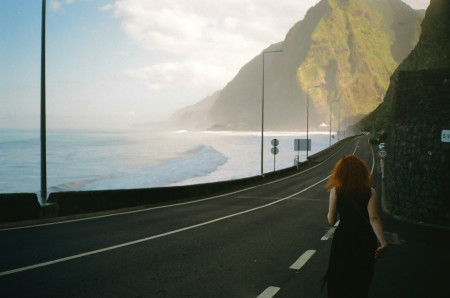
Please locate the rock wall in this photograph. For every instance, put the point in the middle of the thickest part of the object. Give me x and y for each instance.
(418, 163)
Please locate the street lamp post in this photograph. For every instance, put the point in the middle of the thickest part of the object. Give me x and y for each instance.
(262, 110)
(307, 118)
(339, 119)
(331, 102)
(330, 124)
(43, 122)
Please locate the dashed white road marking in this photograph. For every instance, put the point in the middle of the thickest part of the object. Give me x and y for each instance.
(330, 232)
(159, 235)
(303, 259)
(395, 238)
(44, 264)
(269, 292)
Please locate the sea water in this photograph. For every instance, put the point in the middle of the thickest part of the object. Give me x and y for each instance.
(96, 160)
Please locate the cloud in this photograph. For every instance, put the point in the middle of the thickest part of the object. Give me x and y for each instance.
(107, 7)
(132, 114)
(188, 75)
(418, 4)
(55, 5)
(58, 5)
(211, 40)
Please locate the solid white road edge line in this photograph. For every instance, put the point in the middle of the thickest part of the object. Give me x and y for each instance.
(269, 292)
(156, 236)
(171, 205)
(303, 259)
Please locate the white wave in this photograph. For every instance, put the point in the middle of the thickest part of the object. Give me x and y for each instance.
(266, 133)
(200, 161)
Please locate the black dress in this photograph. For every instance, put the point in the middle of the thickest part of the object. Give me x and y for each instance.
(352, 256)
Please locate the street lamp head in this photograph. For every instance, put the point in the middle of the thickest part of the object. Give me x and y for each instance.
(273, 51)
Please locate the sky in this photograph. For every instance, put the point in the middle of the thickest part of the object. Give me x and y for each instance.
(114, 63)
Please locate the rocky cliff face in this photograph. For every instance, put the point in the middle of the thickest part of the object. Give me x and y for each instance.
(432, 52)
(417, 106)
(350, 48)
(418, 161)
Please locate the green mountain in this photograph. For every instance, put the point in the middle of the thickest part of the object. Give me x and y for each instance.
(349, 48)
(431, 52)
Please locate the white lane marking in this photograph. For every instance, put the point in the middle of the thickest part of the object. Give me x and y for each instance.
(395, 238)
(157, 236)
(171, 205)
(373, 156)
(303, 259)
(269, 292)
(328, 234)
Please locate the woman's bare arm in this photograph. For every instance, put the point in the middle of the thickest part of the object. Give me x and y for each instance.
(375, 222)
(332, 208)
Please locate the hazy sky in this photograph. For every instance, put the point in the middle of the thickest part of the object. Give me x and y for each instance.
(112, 63)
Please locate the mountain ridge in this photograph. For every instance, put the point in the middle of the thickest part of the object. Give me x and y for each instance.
(431, 52)
(350, 48)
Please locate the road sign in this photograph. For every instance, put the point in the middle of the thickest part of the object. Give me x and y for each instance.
(382, 153)
(274, 150)
(445, 136)
(302, 145)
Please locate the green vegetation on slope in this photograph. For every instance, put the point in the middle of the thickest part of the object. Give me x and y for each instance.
(350, 56)
(348, 47)
(432, 52)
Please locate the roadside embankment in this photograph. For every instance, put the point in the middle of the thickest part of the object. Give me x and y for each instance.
(25, 206)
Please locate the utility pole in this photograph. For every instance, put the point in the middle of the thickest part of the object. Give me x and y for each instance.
(43, 116)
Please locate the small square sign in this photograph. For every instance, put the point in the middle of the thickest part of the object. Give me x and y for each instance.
(445, 136)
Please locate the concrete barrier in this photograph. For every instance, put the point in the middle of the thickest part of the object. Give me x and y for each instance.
(19, 206)
(75, 202)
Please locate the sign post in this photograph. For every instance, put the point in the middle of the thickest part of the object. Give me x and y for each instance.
(301, 145)
(382, 153)
(274, 150)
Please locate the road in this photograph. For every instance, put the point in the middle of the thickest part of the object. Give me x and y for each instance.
(270, 240)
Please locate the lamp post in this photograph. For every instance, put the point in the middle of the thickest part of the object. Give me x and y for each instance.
(43, 123)
(307, 118)
(331, 102)
(262, 110)
(339, 119)
(330, 124)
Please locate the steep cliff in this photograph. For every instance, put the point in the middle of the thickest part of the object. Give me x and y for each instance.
(350, 48)
(416, 113)
(431, 52)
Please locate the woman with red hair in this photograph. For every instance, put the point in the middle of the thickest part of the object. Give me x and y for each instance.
(354, 246)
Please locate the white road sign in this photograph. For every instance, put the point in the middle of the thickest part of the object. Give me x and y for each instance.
(445, 136)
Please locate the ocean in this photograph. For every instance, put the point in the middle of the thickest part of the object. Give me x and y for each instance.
(126, 159)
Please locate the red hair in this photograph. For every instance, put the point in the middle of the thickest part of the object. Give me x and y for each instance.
(350, 175)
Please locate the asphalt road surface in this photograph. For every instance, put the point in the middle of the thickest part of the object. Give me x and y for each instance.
(270, 240)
